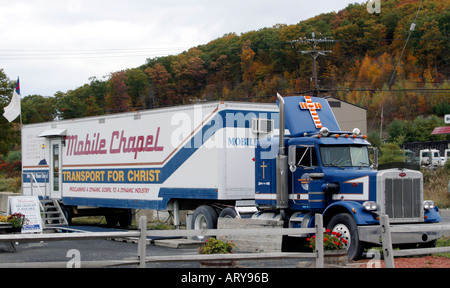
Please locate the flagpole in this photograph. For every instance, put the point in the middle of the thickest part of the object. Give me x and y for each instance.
(20, 115)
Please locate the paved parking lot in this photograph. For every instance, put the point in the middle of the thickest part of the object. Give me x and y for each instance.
(97, 250)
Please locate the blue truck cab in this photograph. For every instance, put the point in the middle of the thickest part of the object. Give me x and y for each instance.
(317, 168)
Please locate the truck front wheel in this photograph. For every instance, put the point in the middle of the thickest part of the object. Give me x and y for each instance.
(346, 226)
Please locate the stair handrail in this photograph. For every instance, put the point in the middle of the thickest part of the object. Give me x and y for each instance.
(34, 180)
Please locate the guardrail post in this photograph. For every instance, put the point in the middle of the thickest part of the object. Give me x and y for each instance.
(319, 241)
(388, 253)
(142, 244)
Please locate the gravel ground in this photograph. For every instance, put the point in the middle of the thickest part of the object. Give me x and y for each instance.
(416, 262)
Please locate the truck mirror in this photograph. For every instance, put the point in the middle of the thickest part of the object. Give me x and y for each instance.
(292, 158)
(375, 156)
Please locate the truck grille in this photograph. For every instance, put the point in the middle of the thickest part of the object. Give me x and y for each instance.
(403, 199)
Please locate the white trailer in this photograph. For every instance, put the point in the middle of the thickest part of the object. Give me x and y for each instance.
(197, 157)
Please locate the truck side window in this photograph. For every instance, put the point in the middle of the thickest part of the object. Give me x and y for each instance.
(306, 157)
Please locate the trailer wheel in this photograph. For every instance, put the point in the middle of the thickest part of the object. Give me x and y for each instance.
(126, 218)
(346, 226)
(228, 213)
(205, 217)
(111, 220)
(67, 214)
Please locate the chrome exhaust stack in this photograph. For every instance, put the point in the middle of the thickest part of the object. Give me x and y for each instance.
(282, 164)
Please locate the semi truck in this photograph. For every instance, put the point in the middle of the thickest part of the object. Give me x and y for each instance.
(430, 158)
(283, 162)
(194, 157)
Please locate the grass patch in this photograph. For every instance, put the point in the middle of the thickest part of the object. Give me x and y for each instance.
(89, 220)
(435, 186)
(443, 242)
(10, 184)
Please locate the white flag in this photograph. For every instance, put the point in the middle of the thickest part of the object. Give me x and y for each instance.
(13, 109)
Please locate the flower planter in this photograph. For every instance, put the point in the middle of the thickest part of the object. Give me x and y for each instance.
(335, 257)
(14, 230)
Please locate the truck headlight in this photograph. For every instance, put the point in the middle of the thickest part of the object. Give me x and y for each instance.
(428, 204)
(370, 205)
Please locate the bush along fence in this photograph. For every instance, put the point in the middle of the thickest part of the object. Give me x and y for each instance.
(142, 234)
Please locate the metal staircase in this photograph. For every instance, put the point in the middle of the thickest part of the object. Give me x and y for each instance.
(52, 214)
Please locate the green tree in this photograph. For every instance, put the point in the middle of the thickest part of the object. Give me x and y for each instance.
(69, 105)
(37, 108)
(390, 152)
(137, 83)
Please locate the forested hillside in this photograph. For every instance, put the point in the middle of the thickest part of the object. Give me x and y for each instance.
(371, 60)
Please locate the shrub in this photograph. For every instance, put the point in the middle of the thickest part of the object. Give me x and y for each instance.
(215, 246)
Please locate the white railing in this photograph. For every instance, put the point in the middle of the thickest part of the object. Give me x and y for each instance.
(389, 253)
(34, 181)
(142, 233)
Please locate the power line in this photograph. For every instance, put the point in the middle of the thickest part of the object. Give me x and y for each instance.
(32, 54)
(38, 54)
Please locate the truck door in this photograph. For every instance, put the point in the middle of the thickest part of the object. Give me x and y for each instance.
(55, 168)
(305, 163)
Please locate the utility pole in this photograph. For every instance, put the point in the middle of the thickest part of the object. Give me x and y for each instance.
(314, 54)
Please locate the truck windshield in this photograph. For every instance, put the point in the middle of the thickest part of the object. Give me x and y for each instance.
(344, 155)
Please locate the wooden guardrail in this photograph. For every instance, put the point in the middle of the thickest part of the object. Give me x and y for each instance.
(389, 253)
(142, 234)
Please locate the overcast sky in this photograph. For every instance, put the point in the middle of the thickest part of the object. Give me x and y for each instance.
(56, 45)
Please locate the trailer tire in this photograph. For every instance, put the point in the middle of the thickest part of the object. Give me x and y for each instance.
(346, 226)
(67, 214)
(205, 217)
(111, 220)
(126, 218)
(228, 212)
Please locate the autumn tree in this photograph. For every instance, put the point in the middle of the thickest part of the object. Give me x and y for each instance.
(159, 78)
(432, 44)
(117, 97)
(247, 61)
